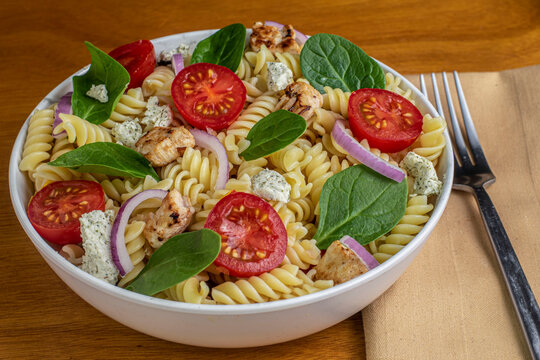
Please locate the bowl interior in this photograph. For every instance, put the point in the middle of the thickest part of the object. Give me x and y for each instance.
(21, 191)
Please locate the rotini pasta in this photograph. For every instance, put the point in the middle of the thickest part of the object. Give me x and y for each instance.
(135, 246)
(81, 131)
(431, 142)
(131, 104)
(416, 215)
(38, 140)
(158, 83)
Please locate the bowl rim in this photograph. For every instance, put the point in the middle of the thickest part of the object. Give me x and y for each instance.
(51, 255)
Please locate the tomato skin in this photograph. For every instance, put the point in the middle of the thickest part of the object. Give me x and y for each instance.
(249, 226)
(208, 95)
(138, 58)
(387, 120)
(57, 202)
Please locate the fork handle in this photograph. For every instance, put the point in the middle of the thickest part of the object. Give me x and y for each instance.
(516, 282)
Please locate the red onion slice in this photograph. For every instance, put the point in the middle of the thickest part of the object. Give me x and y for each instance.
(177, 63)
(359, 250)
(119, 251)
(212, 143)
(357, 151)
(300, 38)
(63, 107)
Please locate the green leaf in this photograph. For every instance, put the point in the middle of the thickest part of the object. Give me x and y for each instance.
(107, 158)
(330, 60)
(361, 203)
(103, 70)
(180, 258)
(273, 133)
(225, 47)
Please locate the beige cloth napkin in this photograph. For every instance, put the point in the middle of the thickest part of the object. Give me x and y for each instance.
(452, 302)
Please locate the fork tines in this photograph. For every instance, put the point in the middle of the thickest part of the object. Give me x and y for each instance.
(477, 161)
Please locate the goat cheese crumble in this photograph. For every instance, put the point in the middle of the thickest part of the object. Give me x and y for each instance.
(156, 115)
(166, 55)
(96, 241)
(426, 181)
(271, 185)
(279, 76)
(127, 133)
(99, 93)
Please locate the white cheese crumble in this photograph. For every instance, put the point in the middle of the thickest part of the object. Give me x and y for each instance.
(156, 115)
(271, 185)
(166, 55)
(279, 76)
(426, 181)
(96, 239)
(127, 133)
(98, 92)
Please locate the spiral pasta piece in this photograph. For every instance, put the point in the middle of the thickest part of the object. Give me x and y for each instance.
(72, 253)
(416, 215)
(258, 289)
(45, 174)
(38, 140)
(159, 82)
(292, 61)
(292, 157)
(431, 142)
(252, 91)
(193, 291)
(81, 131)
(261, 107)
(130, 105)
(259, 59)
(135, 241)
(337, 101)
(323, 121)
(148, 183)
(393, 84)
(185, 184)
(318, 170)
(245, 69)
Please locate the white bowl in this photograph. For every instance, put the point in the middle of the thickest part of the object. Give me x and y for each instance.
(231, 325)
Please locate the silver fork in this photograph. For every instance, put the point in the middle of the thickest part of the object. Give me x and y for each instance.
(472, 174)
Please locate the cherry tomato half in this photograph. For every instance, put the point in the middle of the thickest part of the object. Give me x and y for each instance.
(55, 210)
(387, 120)
(208, 95)
(138, 58)
(253, 237)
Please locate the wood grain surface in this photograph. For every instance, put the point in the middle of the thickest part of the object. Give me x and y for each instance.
(41, 43)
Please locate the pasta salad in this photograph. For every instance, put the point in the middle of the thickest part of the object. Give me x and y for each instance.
(220, 173)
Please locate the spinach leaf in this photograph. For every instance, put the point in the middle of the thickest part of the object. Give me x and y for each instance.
(103, 70)
(361, 203)
(180, 258)
(273, 133)
(330, 60)
(225, 47)
(107, 158)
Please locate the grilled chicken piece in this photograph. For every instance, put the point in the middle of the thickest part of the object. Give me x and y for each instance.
(276, 40)
(172, 218)
(300, 98)
(162, 145)
(339, 263)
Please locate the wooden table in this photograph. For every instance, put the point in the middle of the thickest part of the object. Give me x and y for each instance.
(41, 43)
